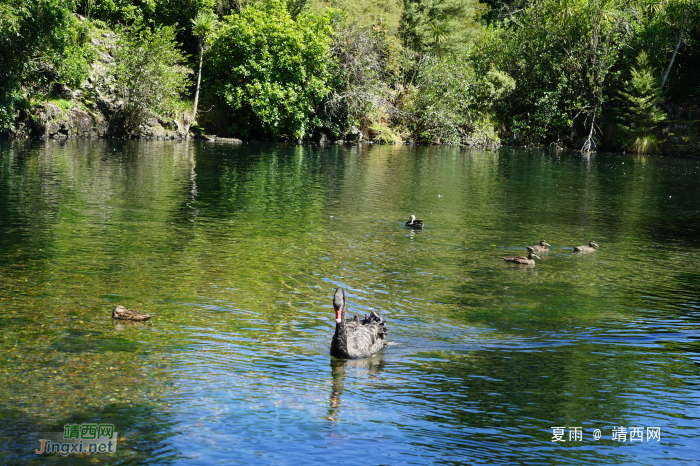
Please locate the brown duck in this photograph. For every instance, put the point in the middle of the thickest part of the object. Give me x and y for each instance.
(590, 248)
(543, 247)
(122, 313)
(414, 223)
(529, 260)
(355, 338)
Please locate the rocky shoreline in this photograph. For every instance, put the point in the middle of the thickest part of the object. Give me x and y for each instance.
(73, 119)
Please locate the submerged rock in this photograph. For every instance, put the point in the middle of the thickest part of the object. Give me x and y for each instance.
(354, 134)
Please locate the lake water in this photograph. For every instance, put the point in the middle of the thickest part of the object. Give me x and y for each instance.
(237, 250)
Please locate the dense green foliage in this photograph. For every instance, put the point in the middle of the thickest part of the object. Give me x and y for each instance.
(395, 93)
(440, 104)
(361, 13)
(270, 70)
(530, 71)
(560, 70)
(147, 74)
(441, 25)
(29, 29)
(154, 13)
(367, 79)
(569, 60)
(159, 12)
(73, 62)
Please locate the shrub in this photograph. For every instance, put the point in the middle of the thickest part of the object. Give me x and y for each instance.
(161, 12)
(73, 62)
(147, 74)
(537, 107)
(270, 70)
(367, 79)
(439, 103)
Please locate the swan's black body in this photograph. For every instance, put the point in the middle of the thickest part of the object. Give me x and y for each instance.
(355, 338)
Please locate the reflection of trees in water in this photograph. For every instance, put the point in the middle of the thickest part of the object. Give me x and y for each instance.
(144, 434)
(370, 367)
(272, 180)
(101, 180)
(67, 197)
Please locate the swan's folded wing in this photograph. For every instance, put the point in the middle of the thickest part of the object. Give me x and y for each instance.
(366, 340)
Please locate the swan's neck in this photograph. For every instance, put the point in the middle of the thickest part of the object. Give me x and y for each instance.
(340, 330)
(340, 325)
(340, 338)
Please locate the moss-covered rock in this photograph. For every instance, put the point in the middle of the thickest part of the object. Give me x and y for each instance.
(680, 138)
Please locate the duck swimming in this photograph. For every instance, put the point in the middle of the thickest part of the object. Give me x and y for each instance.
(414, 223)
(529, 260)
(590, 248)
(355, 338)
(543, 247)
(122, 313)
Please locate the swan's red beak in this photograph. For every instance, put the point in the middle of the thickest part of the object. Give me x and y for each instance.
(338, 314)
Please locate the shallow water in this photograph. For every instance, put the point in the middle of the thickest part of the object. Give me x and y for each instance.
(237, 251)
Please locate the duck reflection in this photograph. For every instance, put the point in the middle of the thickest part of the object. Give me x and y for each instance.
(368, 366)
(412, 233)
(120, 325)
(519, 268)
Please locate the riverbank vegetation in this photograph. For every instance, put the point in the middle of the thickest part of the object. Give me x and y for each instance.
(582, 74)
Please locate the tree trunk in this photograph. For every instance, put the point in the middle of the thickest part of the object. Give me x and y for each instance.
(590, 145)
(199, 80)
(673, 57)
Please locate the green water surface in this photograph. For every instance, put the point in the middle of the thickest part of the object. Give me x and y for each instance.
(237, 251)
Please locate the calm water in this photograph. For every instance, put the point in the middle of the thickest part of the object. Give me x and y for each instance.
(237, 251)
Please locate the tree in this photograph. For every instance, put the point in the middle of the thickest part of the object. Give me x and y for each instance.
(270, 70)
(602, 22)
(638, 114)
(361, 13)
(439, 104)
(441, 25)
(147, 74)
(28, 29)
(203, 25)
(367, 76)
(562, 54)
(679, 9)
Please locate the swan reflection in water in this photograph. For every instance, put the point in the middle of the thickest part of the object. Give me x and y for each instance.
(360, 368)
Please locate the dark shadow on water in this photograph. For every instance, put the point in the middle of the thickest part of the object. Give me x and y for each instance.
(80, 341)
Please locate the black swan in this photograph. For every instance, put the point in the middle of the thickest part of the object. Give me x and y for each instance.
(355, 338)
(414, 223)
(529, 260)
(543, 247)
(122, 313)
(590, 248)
